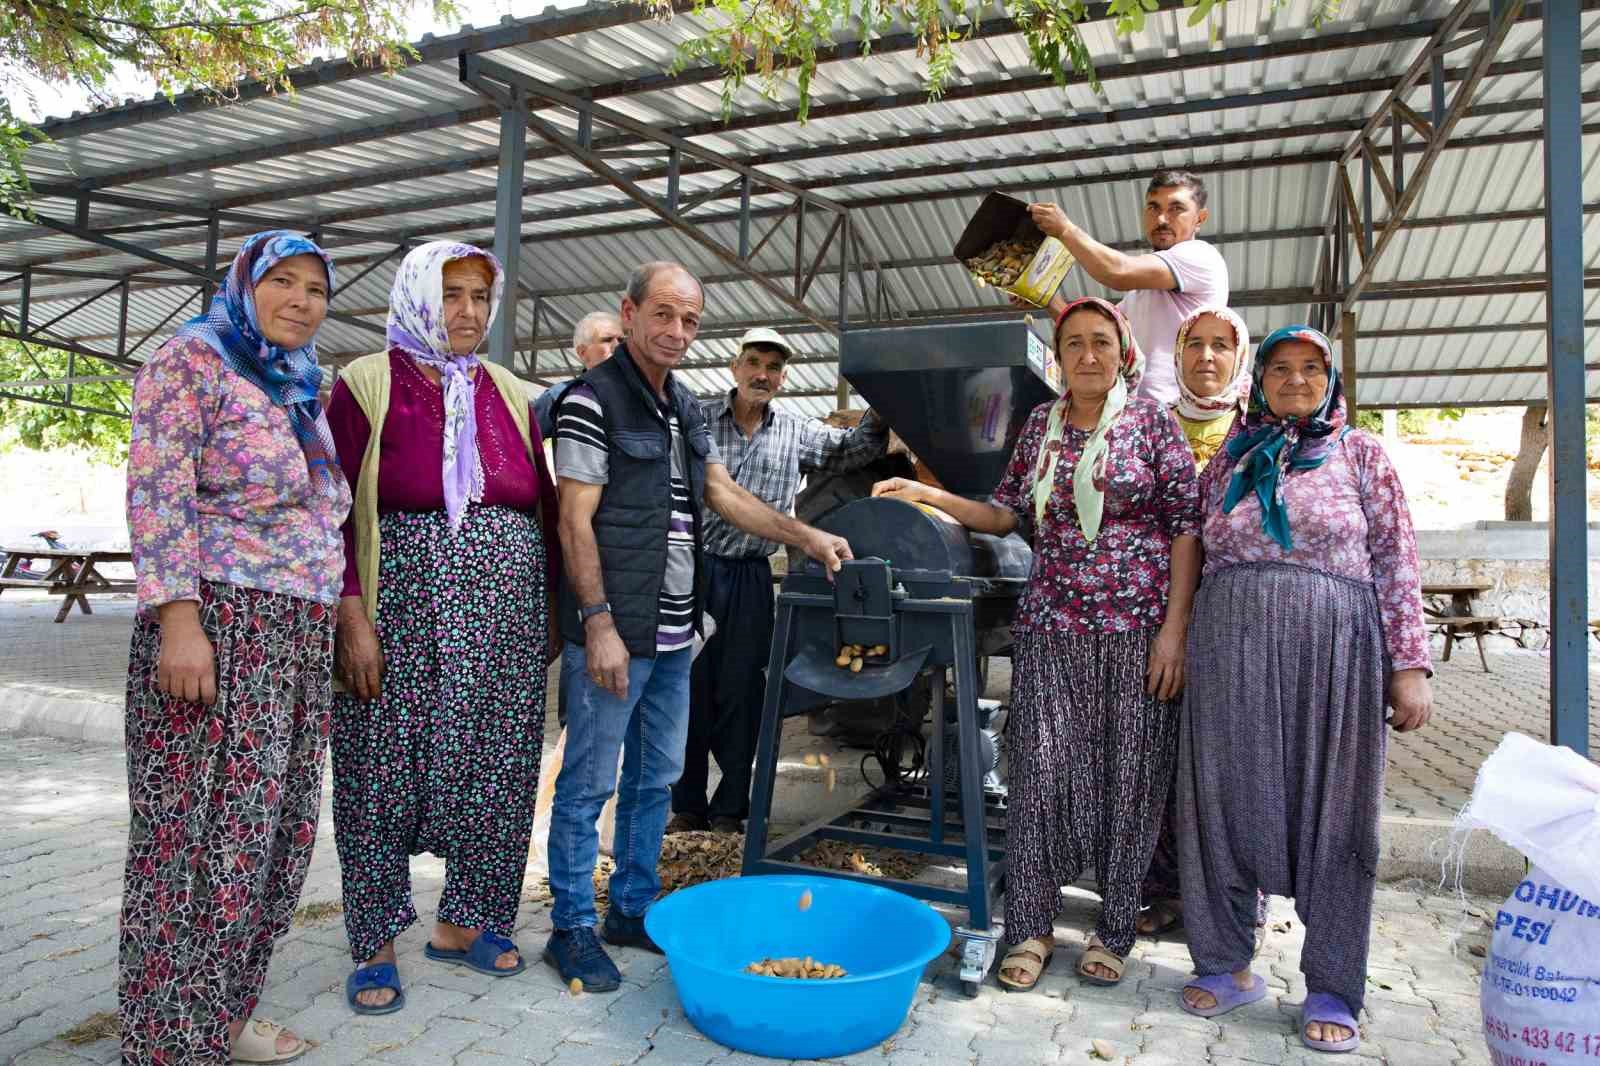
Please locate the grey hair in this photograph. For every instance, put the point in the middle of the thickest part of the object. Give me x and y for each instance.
(645, 273)
(586, 326)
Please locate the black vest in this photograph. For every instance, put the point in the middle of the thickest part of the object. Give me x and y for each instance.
(630, 525)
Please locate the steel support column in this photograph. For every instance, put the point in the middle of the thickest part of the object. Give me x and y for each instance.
(1347, 360)
(1563, 244)
(508, 228)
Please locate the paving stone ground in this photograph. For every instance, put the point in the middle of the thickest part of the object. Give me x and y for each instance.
(63, 820)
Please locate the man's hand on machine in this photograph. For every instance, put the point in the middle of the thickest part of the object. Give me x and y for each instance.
(901, 488)
(827, 549)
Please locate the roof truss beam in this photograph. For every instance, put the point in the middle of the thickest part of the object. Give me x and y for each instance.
(513, 90)
(1503, 14)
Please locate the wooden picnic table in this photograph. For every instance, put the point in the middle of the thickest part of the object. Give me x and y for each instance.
(1459, 619)
(74, 573)
(1461, 594)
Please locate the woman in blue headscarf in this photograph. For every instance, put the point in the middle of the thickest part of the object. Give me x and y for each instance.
(1307, 623)
(234, 508)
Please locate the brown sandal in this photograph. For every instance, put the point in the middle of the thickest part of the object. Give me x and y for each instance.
(1097, 955)
(1031, 957)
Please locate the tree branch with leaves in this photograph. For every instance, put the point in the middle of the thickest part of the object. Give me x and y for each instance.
(775, 42)
(209, 46)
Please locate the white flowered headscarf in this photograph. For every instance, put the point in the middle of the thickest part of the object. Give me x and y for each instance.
(1235, 394)
(417, 327)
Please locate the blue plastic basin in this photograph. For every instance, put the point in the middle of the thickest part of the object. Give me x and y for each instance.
(712, 931)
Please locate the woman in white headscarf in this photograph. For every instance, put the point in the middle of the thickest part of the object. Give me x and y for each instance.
(1101, 483)
(1213, 368)
(451, 551)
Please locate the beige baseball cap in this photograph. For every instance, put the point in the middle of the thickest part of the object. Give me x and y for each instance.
(768, 337)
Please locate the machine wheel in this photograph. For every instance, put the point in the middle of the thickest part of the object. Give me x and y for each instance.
(970, 988)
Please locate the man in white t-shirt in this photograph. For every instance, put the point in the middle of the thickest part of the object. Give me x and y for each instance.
(1181, 275)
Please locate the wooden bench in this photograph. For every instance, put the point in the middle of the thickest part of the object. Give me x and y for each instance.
(74, 574)
(1459, 629)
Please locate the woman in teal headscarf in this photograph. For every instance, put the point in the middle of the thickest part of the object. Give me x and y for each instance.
(1103, 484)
(1308, 621)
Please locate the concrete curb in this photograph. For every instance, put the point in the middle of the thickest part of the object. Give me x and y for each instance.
(63, 713)
(1412, 848)
(1421, 848)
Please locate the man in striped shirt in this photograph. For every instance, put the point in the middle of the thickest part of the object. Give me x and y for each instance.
(635, 463)
(765, 451)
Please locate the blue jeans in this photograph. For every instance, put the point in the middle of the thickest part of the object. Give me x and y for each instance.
(650, 728)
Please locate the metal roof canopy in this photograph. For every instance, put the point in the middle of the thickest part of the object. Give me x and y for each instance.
(1444, 108)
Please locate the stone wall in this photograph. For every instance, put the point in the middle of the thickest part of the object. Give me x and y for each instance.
(1512, 557)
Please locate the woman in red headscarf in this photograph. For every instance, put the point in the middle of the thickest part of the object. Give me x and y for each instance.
(1103, 484)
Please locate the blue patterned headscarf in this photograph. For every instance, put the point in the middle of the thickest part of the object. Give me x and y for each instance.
(289, 376)
(1267, 445)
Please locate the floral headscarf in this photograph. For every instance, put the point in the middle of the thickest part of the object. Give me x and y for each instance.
(1268, 445)
(1235, 392)
(1089, 477)
(417, 327)
(289, 376)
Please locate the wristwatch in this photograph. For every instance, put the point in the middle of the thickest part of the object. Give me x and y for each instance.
(586, 613)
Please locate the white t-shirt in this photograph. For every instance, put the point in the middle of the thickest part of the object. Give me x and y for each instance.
(1155, 314)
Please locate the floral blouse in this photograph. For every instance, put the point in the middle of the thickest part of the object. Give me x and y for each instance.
(1349, 518)
(1120, 582)
(218, 487)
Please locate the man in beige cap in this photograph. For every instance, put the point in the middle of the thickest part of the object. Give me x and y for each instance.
(765, 450)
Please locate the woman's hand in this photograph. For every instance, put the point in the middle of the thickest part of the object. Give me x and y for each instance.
(901, 488)
(360, 658)
(1164, 679)
(186, 668)
(1411, 696)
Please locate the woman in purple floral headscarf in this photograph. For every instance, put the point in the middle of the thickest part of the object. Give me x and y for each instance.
(234, 507)
(1308, 622)
(451, 555)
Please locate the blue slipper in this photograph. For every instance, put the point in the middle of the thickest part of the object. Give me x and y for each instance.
(481, 955)
(1228, 995)
(367, 978)
(1327, 1009)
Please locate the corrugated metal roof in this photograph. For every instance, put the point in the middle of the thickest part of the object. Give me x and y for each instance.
(1255, 100)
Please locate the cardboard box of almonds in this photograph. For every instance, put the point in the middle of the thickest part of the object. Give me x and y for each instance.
(1001, 247)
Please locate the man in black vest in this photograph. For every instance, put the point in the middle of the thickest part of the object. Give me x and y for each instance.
(635, 462)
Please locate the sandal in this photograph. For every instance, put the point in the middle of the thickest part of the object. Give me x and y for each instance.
(1097, 955)
(1228, 996)
(1031, 957)
(371, 978)
(1327, 1009)
(480, 955)
(1168, 916)
(258, 1042)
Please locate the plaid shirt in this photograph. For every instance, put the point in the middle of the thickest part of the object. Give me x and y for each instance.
(769, 464)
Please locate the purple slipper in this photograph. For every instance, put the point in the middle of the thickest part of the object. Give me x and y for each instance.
(1328, 1009)
(1227, 994)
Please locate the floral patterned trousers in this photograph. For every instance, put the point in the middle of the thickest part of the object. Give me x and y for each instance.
(224, 803)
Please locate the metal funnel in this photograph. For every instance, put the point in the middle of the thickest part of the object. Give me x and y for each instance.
(957, 394)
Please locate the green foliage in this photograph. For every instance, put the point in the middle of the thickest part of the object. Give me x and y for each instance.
(206, 45)
(34, 425)
(1413, 423)
(776, 40)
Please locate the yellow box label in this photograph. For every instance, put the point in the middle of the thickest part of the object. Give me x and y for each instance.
(1045, 272)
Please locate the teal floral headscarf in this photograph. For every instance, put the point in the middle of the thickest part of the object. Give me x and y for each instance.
(1267, 446)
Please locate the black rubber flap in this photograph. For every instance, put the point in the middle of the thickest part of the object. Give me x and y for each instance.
(813, 670)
